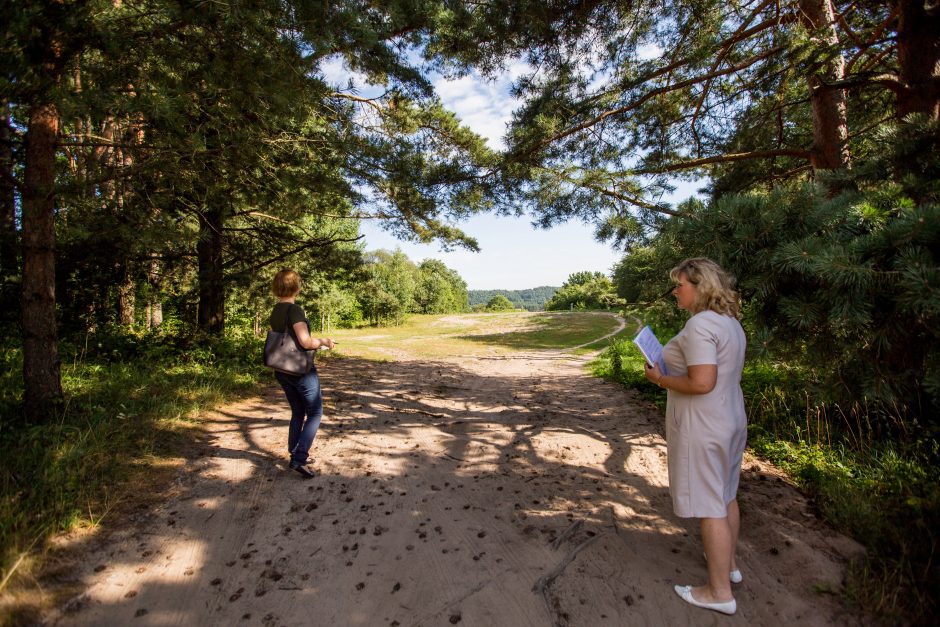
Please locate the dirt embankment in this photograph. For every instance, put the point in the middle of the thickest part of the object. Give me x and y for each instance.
(486, 492)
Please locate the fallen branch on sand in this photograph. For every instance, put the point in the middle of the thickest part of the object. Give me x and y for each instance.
(545, 581)
(567, 533)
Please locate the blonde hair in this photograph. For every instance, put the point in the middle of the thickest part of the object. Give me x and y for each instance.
(286, 283)
(714, 288)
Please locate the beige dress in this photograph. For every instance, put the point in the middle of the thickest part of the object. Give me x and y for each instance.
(706, 433)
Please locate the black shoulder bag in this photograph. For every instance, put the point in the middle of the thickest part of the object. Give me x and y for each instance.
(283, 354)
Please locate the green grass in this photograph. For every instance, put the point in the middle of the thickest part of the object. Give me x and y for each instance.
(551, 331)
(474, 334)
(886, 495)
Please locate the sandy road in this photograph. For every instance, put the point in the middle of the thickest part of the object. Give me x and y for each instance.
(486, 492)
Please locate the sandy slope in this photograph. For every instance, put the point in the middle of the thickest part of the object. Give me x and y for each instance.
(449, 491)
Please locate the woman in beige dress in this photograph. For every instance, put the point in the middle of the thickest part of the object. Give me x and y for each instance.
(706, 426)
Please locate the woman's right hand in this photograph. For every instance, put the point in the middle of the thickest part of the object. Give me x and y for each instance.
(328, 342)
(653, 373)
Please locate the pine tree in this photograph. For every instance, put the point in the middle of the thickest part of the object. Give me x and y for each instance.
(848, 285)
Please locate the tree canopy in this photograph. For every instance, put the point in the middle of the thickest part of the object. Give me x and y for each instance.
(532, 299)
(622, 97)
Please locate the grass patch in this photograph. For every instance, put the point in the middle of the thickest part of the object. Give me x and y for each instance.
(471, 335)
(620, 336)
(129, 410)
(886, 495)
(622, 362)
(551, 331)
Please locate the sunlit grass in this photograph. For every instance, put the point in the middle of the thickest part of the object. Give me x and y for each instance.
(470, 335)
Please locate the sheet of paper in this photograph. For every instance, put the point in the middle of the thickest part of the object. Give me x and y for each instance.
(649, 345)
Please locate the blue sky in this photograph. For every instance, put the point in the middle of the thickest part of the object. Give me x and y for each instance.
(513, 254)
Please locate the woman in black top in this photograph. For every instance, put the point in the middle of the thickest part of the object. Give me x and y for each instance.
(302, 391)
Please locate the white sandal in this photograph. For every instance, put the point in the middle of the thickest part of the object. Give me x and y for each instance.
(685, 593)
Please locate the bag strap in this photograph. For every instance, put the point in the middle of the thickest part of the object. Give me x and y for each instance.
(288, 329)
(287, 317)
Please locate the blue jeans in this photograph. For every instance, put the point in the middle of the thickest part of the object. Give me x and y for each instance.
(303, 394)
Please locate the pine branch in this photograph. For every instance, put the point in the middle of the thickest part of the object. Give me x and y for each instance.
(633, 200)
(635, 104)
(726, 48)
(889, 80)
(726, 158)
(875, 35)
(299, 249)
(369, 101)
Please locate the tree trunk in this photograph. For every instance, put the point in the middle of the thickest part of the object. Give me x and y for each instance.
(211, 316)
(918, 59)
(8, 253)
(43, 388)
(156, 314)
(126, 297)
(830, 127)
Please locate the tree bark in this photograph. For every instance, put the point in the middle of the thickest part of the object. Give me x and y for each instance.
(830, 126)
(154, 316)
(918, 59)
(41, 368)
(155, 305)
(211, 311)
(126, 296)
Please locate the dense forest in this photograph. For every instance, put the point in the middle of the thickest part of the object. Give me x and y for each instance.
(532, 299)
(159, 159)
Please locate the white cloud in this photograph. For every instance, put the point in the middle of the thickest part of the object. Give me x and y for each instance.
(649, 51)
(483, 105)
(338, 74)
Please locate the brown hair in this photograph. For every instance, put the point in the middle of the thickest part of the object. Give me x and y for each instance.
(714, 288)
(286, 283)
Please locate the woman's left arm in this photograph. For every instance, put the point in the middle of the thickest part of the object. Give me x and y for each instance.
(699, 379)
(307, 341)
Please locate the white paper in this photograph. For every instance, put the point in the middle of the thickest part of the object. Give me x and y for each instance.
(649, 345)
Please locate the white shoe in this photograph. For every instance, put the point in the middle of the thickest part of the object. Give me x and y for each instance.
(685, 593)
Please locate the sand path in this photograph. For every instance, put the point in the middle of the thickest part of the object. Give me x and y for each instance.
(506, 491)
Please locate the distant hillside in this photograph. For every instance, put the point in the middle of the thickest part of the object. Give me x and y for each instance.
(533, 299)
